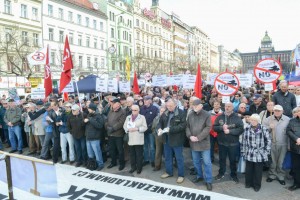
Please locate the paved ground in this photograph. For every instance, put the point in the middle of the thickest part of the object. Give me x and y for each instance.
(269, 191)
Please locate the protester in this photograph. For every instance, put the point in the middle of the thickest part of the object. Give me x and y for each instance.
(197, 130)
(135, 125)
(258, 105)
(53, 115)
(45, 152)
(215, 112)
(255, 148)
(172, 126)
(12, 118)
(3, 124)
(267, 113)
(229, 127)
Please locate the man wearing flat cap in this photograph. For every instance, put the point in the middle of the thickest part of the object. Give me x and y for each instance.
(150, 112)
(114, 126)
(277, 125)
(197, 131)
(258, 104)
(12, 118)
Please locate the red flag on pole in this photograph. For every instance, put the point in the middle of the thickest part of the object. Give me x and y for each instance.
(47, 76)
(66, 96)
(66, 75)
(198, 84)
(135, 89)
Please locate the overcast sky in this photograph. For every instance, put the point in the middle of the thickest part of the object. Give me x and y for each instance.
(240, 24)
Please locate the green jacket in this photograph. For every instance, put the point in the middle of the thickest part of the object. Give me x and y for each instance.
(13, 115)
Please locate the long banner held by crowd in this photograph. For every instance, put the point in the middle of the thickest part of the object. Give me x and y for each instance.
(80, 183)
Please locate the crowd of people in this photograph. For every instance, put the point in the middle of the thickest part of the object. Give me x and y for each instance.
(255, 127)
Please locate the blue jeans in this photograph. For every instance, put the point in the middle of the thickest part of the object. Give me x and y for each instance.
(15, 131)
(231, 151)
(149, 147)
(80, 148)
(93, 149)
(178, 151)
(203, 157)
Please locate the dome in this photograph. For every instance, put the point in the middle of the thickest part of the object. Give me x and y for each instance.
(266, 38)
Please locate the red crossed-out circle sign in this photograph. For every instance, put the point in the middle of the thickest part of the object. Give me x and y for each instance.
(38, 56)
(227, 84)
(267, 70)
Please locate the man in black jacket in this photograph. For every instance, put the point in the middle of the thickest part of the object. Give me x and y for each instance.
(56, 135)
(229, 127)
(172, 126)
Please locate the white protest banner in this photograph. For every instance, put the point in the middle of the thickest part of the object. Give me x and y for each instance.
(225, 99)
(101, 84)
(246, 80)
(268, 70)
(37, 93)
(124, 86)
(226, 84)
(268, 86)
(69, 88)
(188, 81)
(112, 86)
(176, 79)
(210, 78)
(159, 80)
(141, 81)
(80, 183)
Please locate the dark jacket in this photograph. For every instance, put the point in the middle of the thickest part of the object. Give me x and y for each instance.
(287, 101)
(176, 134)
(115, 122)
(235, 126)
(150, 113)
(76, 125)
(253, 109)
(293, 131)
(94, 126)
(64, 118)
(53, 116)
(2, 113)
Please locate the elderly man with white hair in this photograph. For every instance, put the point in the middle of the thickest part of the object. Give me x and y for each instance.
(255, 148)
(277, 125)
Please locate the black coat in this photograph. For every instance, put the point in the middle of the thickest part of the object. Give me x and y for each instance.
(94, 127)
(176, 133)
(293, 131)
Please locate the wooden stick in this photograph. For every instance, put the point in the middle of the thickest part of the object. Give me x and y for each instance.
(27, 158)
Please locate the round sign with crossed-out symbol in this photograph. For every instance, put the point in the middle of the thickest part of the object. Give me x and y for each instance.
(38, 56)
(227, 84)
(267, 70)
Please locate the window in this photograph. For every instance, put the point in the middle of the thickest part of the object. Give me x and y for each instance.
(35, 14)
(23, 11)
(95, 43)
(80, 61)
(79, 40)
(25, 37)
(87, 22)
(51, 34)
(143, 27)
(112, 33)
(8, 34)
(95, 62)
(35, 37)
(102, 63)
(88, 61)
(52, 57)
(129, 37)
(7, 6)
(79, 19)
(95, 24)
(70, 16)
(101, 44)
(61, 36)
(61, 13)
(137, 22)
(50, 10)
(71, 38)
(87, 41)
(137, 35)
(101, 26)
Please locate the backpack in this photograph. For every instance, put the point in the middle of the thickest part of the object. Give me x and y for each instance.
(91, 164)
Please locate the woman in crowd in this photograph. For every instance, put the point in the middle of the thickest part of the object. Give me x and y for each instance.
(256, 146)
(135, 125)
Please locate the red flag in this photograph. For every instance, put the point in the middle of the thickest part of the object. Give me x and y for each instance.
(274, 85)
(297, 64)
(66, 96)
(47, 76)
(66, 75)
(198, 84)
(135, 89)
(175, 88)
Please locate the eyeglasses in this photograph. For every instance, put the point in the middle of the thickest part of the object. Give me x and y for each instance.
(135, 110)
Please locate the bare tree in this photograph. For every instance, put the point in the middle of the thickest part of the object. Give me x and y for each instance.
(14, 48)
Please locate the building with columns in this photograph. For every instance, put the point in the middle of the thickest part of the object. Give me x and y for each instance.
(266, 50)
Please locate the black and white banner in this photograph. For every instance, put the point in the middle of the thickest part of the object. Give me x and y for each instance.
(80, 183)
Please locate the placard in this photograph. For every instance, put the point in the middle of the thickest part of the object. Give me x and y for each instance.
(112, 86)
(159, 80)
(269, 87)
(188, 81)
(246, 80)
(267, 70)
(37, 93)
(176, 79)
(101, 84)
(226, 84)
(124, 86)
(225, 99)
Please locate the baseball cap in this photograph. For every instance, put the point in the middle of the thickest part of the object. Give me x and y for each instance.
(278, 107)
(256, 96)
